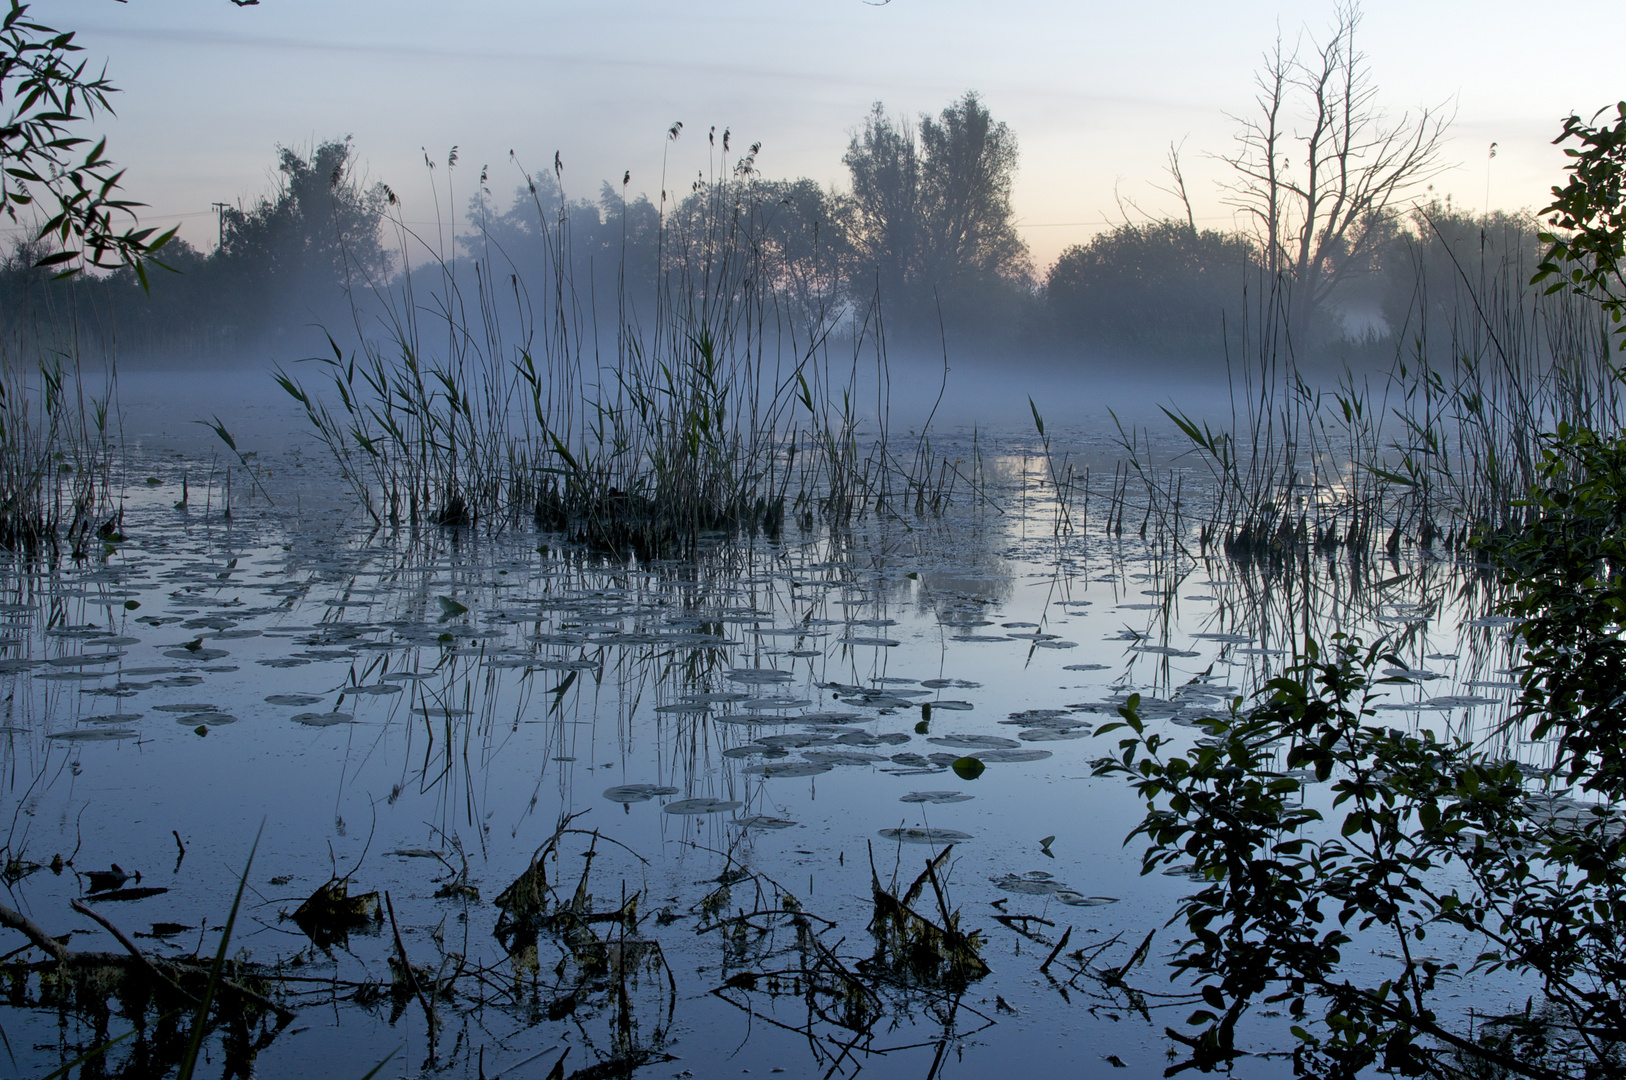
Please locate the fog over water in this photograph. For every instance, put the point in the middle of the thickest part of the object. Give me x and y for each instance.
(645, 513)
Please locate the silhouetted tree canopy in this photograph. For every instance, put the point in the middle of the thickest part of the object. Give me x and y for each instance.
(1158, 287)
(931, 223)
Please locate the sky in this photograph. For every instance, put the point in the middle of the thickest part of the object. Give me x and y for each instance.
(1095, 92)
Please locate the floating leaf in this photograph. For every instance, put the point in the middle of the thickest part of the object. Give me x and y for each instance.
(327, 719)
(924, 836)
(195, 654)
(936, 796)
(1053, 734)
(976, 742)
(701, 806)
(968, 768)
(632, 793)
(759, 675)
(1033, 883)
(788, 768)
(994, 756)
(760, 821)
(128, 894)
(296, 700)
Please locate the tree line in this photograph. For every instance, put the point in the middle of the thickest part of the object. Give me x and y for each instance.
(922, 241)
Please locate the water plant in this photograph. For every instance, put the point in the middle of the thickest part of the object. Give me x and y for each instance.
(57, 448)
(723, 408)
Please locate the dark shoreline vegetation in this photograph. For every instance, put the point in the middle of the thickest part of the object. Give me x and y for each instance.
(670, 392)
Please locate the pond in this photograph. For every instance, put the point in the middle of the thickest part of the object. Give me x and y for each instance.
(502, 806)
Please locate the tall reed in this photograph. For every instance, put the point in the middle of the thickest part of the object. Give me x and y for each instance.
(733, 395)
(56, 454)
(1442, 447)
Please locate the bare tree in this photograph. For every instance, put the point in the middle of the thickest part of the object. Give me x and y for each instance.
(1320, 167)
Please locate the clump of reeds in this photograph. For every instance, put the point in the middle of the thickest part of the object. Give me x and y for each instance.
(1442, 448)
(55, 458)
(725, 408)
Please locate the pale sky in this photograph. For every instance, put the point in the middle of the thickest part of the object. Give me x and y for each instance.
(1094, 91)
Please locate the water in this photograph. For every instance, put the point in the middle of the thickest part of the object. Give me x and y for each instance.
(418, 715)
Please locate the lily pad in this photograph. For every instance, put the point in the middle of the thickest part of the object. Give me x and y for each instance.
(1073, 899)
(633, 793)
(976, 742)
(1034, 883)
(788, 768)
(296, 700)
(1012, 755)
(1053, 734)
(761, 821)
(924, 836)
(936, 797)
(96, 735)
(327, 719)
(759, 676)
(701, 806)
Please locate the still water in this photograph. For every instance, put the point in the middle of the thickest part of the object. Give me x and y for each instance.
(627, 818)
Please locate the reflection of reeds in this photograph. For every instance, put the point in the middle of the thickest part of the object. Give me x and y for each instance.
(723, 409)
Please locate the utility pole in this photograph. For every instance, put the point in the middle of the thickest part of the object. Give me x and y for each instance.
(220, 213)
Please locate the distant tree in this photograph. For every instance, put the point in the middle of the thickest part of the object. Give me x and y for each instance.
(805, 246)
(1444, 265)
(303, 247)
(885, 229)
(930, 219)
(1319, 167)
(320, 225)
(46, 94)
(1159, 288)
(968, 163)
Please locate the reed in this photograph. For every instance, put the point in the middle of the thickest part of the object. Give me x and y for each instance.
(1440, 449)
(56, 455)
(735, 395)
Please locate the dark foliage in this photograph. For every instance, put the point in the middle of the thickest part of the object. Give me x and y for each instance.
(1159, 288)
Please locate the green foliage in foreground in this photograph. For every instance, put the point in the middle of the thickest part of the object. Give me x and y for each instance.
(1419, 836)
(1588, 216)
(1424, 838)
(47, 167)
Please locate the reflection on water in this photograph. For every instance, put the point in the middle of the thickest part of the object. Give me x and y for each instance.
(524, 804)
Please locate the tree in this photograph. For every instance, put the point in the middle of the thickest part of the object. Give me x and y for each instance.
(1320, 168)
(931, 220)
(319, 230)
(1318, 912)
(967, 164)
(1443, 266)
(885, 224)
(1159, 287)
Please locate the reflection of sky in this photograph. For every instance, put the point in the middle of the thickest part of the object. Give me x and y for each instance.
(1095, 92)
